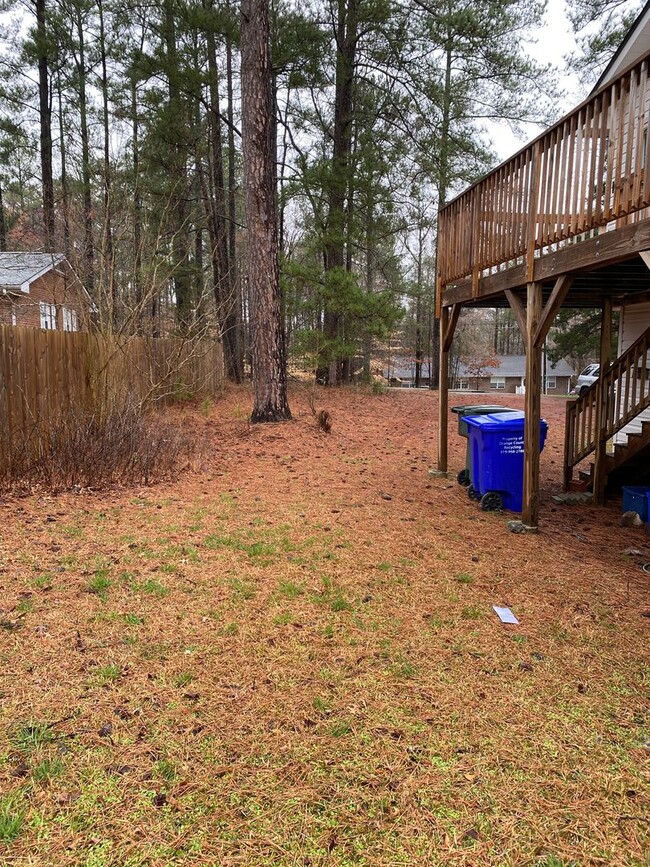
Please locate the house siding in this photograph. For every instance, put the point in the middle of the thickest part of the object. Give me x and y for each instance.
(563, 385)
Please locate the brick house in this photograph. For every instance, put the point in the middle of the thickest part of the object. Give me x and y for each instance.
(510, 376)
(40, 290)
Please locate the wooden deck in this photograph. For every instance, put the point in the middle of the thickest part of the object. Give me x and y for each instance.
(575, 201)
(565, 222)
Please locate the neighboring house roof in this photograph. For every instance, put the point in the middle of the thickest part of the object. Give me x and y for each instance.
(19, 270)
(404, 368)
(635, 46)
(515, 365)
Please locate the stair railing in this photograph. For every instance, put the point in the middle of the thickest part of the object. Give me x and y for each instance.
(625, 394)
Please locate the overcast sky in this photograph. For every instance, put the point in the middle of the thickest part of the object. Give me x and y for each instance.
(554, 41)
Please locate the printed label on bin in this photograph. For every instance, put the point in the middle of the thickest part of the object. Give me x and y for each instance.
(513, 445)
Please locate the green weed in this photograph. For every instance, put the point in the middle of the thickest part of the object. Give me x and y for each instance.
(166, 769)
(47, 769)
(340, 603)
(43, 581)
(321, 706)
(464, 578)
(31, 736)
(100, 583)
(11, 820)
(290, 590)
(107, 673)
(155, 588)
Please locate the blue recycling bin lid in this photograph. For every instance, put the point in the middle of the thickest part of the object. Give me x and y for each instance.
(511, 421)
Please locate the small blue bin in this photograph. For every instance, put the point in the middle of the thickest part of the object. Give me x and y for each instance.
(636, 499)
(497, 443)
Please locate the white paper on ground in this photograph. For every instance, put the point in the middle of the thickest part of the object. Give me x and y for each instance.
(505, 614)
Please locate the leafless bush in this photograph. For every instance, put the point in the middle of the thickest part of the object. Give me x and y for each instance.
(324, 420)
(322, 416)
(121, 444)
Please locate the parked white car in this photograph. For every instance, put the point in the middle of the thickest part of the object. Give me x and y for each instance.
(588, 376)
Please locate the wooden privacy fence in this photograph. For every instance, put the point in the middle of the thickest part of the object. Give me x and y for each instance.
(44, 374)
(587, 170)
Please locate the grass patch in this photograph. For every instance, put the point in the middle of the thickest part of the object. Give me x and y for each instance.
(99, 583)
(47, 770)
(464, 578)
(43, 581)
(107, 673)
(166, 770)
(30, 736)
(340, 603)
(11, 819)
(290, 590)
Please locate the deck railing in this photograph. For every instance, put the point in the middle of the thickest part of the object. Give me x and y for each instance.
(625, 394)
(581, 174)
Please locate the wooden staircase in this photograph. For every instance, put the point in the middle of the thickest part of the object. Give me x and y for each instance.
(607, 420)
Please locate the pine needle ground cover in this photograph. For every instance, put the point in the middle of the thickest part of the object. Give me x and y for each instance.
(289, 657)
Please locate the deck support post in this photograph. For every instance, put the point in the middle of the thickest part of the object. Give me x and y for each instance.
(448, 321)
(530, 510)
(600, 454)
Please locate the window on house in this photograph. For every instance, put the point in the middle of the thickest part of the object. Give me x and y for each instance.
(463, 384)
(48, 315)
(70, 321)
(551, 382)
(497, 382)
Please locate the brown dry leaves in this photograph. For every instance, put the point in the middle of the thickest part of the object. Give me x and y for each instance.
(290, 657)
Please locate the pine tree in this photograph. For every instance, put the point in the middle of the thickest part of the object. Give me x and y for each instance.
(268, 339)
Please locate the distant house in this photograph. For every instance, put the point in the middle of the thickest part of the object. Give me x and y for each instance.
(510, 375)
(400, 373)
(40, 290)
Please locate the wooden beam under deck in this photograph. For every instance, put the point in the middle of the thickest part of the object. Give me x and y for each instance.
(577, 259)
(600, 454)
(530, 510)
(448, 322)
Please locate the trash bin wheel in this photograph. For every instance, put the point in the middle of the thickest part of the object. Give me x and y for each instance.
(463, 478)
(492, 502)
(472, 493)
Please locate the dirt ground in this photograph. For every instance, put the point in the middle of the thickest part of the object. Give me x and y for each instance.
(289, 657)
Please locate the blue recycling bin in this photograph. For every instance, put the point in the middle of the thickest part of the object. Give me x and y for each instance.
(497, 466)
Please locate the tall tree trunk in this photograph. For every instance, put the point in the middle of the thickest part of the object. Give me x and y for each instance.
(177, 204)
(89, 247)
(63, 154)
(335, 257)
(419, 311)
(233, 264)
(108, 253)
(224, 294)
(137, 206)
(45, 120)
(3, 224)
(268, 343)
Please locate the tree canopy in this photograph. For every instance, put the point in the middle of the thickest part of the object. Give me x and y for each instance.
(120, 145)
